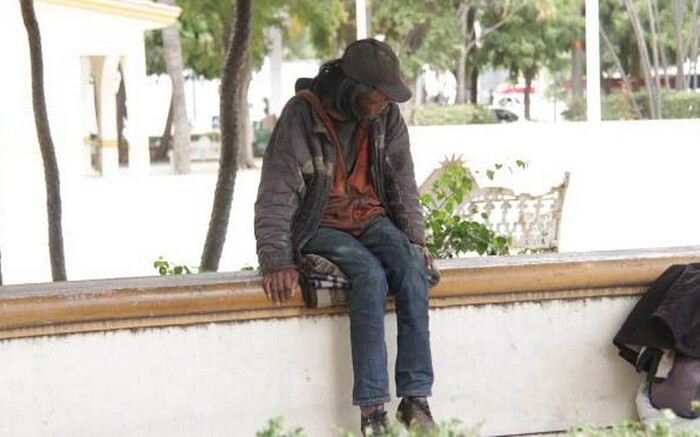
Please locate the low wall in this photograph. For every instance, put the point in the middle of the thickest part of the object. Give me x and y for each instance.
(520, 344)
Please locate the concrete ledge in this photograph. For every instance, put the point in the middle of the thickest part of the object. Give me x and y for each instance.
(104, 305)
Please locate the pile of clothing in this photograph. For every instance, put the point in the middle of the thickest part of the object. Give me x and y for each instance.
(661, 336)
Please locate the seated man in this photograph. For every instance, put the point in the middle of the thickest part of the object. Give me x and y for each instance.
(337, 181)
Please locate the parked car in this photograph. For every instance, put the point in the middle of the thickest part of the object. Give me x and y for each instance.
(503, 115)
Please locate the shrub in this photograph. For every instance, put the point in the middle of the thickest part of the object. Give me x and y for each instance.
(618, 106)
(448, 233)
(167, 268)
(430, 115)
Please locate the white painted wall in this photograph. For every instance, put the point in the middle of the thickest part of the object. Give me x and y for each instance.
(633, 185)
(67, 34)
(528, 367)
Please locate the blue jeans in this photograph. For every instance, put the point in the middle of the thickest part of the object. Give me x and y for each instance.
(379, 260)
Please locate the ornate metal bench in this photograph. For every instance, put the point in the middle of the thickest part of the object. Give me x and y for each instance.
(532, 221)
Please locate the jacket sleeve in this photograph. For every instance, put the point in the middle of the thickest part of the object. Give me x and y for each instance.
(400, 180)
(279, 192)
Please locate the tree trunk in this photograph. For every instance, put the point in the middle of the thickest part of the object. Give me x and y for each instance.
(529, 75)
(652, 88)
(471, 56)
(230, 103)
(48, 153)
(166, 139)
(474, 84)
(678, 8)
(577, 69)
(625, 81)
(245, 141)
(695, 36)
(462, 60)
(408, 107)
(662, 52)
(653, 25)
(173, 64)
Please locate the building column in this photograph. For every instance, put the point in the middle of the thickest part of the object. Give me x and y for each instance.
(134, 71)
(106, 85)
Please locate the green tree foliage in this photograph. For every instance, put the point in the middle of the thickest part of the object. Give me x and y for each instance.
(422, 32)
(205, 28)
(538, 36)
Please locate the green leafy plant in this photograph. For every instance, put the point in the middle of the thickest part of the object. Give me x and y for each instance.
(632, 428)
(452, 428)
(166, 268)
(275, 428)
(449, 234)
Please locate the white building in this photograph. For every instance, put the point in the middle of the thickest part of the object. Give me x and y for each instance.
(87, 46)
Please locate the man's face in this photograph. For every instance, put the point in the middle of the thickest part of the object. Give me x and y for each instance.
(371, 105)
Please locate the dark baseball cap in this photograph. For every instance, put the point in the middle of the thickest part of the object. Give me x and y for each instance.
(373, 62)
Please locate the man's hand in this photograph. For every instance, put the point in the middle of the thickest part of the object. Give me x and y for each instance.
(432, 269)
(281, 284)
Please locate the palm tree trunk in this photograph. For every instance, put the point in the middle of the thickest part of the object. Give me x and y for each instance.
(678, 8)
(652, 88)
(48, 153)
(172, 53)
(229, 106)
(653, 25)
(625, 80)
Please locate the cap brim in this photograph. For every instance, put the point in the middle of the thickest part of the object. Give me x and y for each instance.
(396, 92)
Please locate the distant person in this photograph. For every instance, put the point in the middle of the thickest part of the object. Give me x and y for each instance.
(268, 122)
(337, 181)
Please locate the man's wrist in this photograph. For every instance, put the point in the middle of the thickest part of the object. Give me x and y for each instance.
(281, 268)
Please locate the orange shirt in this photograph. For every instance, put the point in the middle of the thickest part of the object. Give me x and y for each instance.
(353, 203)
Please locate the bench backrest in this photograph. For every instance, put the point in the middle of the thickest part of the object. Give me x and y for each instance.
(532, 221)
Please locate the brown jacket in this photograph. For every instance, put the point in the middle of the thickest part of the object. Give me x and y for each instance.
(297, 177)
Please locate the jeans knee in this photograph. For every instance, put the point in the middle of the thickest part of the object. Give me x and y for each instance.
(369, 287)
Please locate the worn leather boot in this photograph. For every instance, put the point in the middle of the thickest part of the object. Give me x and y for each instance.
(414, 413)
(375, 423)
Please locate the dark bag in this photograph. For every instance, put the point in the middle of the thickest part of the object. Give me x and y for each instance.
(680, 389)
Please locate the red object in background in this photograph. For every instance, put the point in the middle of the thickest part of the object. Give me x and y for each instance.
(513, 89)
